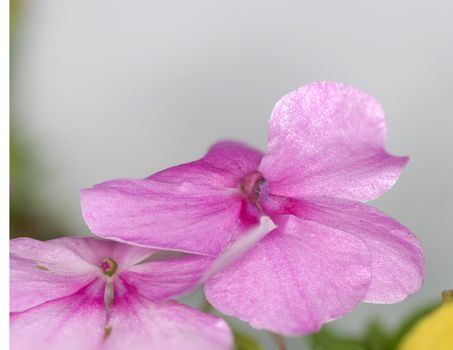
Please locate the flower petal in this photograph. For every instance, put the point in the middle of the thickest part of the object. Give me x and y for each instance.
(296, 278)
(95, 249)
(80, 321)
(223, 166)
(193, 207)
(153, 214)
(166, 279)
(71, 323)
(174, 277)
(396, 256)
(240, 246)
(42, 271)
(328, 139)
(139, 324)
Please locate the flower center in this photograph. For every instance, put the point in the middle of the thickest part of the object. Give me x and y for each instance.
(251, 185)
(108, 266)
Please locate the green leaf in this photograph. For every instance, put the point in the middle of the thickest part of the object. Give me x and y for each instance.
(245, 342)
(376, 338)
(328, 340)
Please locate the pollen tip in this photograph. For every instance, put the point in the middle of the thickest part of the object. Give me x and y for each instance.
(42, 267)
(107, 331)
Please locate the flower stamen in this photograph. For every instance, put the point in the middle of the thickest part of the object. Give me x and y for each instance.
(108, 266)
(251, 186)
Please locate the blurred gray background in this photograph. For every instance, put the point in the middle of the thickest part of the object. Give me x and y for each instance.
(106, 89)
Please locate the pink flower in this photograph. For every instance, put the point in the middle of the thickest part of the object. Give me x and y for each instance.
(88, 293)
(329, 252)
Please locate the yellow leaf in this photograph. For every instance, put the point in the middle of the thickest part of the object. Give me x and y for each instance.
(435, 331)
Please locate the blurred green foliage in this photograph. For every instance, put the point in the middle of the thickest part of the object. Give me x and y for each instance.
(245, 342)
(374, 337)
(14, 14)
(27, 216)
